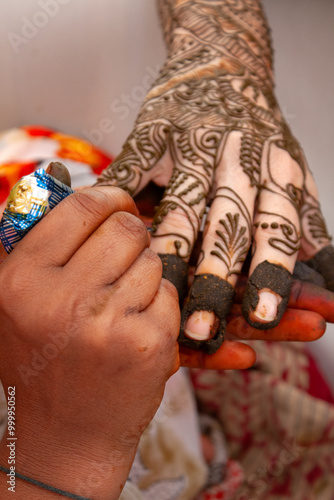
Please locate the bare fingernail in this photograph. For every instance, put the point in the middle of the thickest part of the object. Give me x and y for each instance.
(200, 325)
(266, 309)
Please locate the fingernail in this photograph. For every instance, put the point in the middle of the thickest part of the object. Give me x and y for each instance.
(200, 325)
(266, 309)
(59, 172)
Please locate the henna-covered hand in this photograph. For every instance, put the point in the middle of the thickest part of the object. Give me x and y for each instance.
(211, 130)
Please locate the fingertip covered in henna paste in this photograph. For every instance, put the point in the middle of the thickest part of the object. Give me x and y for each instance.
(323, 263)
(266, 276)
(175, 270)
(208, 293)
(303, 272)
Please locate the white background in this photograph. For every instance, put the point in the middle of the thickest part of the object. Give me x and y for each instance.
(83, 59)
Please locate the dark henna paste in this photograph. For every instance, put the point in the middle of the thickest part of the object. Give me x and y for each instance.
(272, 276)
(58, 170)
(208, 293)
(323, 263)
(303, 272)
(175, 270)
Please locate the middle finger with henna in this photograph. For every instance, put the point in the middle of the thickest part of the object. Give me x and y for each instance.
(175, 227)
(226, 240)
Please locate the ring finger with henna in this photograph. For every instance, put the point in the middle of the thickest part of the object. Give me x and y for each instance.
(226, 240)
(276, 234)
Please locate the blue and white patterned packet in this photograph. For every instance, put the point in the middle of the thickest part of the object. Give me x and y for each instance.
(30, 199)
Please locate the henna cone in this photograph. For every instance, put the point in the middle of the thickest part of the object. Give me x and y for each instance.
(59, 172)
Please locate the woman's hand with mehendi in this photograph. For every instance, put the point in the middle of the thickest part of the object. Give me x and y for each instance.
(210, 130)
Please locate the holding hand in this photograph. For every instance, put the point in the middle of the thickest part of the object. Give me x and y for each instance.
(84, 291)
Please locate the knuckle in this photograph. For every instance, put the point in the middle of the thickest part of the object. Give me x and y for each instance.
(98, 202)
(154, 260)
(170, 289)
(131, 226)
(89, 203)
(14, 283)
(117, 193)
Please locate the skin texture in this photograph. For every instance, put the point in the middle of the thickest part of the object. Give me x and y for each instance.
(211, 131)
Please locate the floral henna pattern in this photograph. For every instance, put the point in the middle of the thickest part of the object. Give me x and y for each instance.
(232, 242)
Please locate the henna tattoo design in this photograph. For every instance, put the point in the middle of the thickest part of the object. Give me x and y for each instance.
(250, 157)
(217, 83)
(181, 185)
(199, 32)
(314, 226)
(217, 80)
(233, 240)
(287, 239)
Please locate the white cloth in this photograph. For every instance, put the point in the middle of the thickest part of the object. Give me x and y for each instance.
(169, 464)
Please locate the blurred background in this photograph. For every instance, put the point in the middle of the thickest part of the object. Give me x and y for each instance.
(84, 67)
